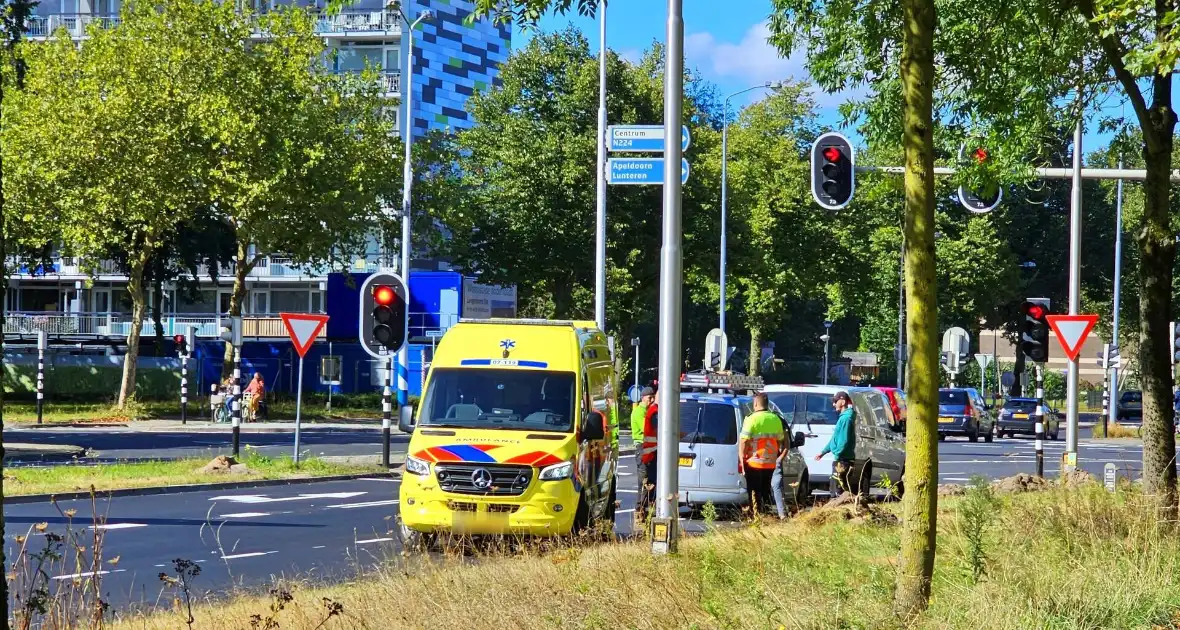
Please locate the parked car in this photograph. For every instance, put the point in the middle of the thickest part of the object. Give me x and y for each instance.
(709, 428)
(961, 411)
(880, 444)
(1131, 406)
(897, 403)
(1018, 415)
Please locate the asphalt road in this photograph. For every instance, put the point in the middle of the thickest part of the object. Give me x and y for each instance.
(329, 530)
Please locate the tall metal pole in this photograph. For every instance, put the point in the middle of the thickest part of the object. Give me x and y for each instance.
(184, 387)
(403, 355)
(724, 209)
(636, 366)
(1040, 425)
(42, 342)
(298, 412)
(600, 221)
(827, 343)
(901, 349)
(1112, 414)
(671, 285)
(1075, 278)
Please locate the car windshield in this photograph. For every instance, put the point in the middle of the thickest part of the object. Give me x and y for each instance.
(1021, 406)
(707, 423)
(953, 397)
(1133, 397)
(532, 400)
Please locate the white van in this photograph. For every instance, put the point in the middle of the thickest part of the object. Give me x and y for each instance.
(880, 442)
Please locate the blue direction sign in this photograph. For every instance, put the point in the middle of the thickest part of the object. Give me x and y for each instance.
(641, 171)
(641, 138)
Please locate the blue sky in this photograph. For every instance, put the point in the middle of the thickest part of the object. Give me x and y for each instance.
(725, 41)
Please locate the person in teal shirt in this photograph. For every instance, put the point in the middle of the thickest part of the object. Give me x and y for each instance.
(842, 446)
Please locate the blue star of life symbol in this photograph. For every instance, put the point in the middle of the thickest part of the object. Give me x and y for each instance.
(507, 344)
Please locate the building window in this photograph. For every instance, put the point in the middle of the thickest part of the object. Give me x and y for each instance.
(289, 301)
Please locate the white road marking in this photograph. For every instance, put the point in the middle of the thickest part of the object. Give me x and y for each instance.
(117, 526)
(373, 540)
(252, 554)
(624, 511)
(956, 479)
(390, 480)
(259, 498)
(245, 515)
(319, 547)
(159, 565)
(86, 574)
(627, 491)
(349, 506)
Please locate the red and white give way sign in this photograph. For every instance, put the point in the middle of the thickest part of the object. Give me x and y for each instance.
(1072, 331)
(303, 329)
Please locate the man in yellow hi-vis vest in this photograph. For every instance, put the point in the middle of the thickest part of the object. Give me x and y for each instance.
(761, 442)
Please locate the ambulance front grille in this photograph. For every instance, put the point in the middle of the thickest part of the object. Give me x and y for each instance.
(483, 479)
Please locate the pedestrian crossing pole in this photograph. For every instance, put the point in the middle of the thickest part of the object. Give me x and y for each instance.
(237, 406)
(184, 388)
(1106, 381)
(42, 342)
(1040, 443)
(386, 413)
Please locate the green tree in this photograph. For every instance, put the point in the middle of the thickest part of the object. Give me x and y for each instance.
(109, 131)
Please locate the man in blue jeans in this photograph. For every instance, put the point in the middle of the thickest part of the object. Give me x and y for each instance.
(842, 446)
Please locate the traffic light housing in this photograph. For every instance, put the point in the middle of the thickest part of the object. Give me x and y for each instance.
(833, 171)
(181, 344)
(383, 312)
(1175, 343)
(1034, 329)
(231, 330)
(979, 202)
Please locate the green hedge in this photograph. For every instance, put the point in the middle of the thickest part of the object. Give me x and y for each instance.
(88, 382)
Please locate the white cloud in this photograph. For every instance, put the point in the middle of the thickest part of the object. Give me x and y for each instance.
(752, 60)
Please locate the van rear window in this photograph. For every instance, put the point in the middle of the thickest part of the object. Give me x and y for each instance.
(707, 423)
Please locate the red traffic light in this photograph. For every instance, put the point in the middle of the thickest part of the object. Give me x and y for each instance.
(178, 338)
(980, 155)
(383, 295)
(832, 154)
(1036, 311)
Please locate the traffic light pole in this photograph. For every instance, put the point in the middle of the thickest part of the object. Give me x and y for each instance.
(1111, 415)
(1040, 427)
(386, 415)
(237, 405)
(184, 388)
(42, 342)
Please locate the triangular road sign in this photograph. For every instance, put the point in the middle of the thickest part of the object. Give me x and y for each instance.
(303, 328)
(1072, 331)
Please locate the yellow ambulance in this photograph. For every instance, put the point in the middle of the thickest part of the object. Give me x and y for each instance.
(514, 431)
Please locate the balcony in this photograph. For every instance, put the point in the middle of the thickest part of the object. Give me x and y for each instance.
(391, 82)
(75, 24)
(349, 23)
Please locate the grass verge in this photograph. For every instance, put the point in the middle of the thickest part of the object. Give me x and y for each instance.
(1065, 558)
(69, 478)
(198, 409)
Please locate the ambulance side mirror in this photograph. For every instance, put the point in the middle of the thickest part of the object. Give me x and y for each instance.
(405, 419)
(593, 426)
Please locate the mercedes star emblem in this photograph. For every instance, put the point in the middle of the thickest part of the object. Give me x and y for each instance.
(481, 478)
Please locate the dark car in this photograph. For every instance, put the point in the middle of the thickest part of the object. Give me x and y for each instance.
(897, 404)
(1019, 415)
(1131, 406)
(961, 411)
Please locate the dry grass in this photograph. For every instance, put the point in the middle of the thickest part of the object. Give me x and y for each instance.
(1116, 430)
(1064, 558)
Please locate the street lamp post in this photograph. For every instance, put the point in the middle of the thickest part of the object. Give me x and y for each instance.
(407, 90)
(600, 218)
(724, 190)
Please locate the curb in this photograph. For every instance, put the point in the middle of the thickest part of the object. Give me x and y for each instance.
(198, 487)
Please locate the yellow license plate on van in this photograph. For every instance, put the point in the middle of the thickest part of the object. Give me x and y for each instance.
(686, 462)
(944, 420)
(1022, 416)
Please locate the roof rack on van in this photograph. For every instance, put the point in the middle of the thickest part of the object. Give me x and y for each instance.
(720, 381)
(521, 321)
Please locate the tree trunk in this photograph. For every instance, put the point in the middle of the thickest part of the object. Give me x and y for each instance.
(138, 308)
(3, 318)
(1157, 243)
(1015, 390)
(755, 367)
(242, 268)
(915, 566)
(157, 300)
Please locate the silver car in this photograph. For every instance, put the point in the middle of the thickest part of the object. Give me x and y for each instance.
(880, 439)
(709, 429)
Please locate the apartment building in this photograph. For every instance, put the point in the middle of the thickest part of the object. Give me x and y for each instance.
(452, 60)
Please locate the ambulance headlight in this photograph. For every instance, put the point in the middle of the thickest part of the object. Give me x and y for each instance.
(557, 472)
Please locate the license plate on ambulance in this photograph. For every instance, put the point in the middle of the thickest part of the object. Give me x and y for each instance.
(944, 420)
(686, 462)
